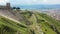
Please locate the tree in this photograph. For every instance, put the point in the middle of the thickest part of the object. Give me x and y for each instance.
(18, 8)
(14, 8)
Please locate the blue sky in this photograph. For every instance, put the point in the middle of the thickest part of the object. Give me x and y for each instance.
(30, 2)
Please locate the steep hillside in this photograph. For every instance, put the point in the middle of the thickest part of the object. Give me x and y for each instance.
(30, 23)
(10, 27)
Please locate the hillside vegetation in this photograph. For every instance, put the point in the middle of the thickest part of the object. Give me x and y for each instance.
(32, 23)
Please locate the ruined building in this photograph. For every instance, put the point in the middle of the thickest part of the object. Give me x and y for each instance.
(6, 7)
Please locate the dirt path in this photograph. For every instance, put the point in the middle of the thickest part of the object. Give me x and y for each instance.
(35, 26)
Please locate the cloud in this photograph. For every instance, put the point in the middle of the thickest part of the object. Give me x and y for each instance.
(51, 2)
(3, 1)
(30, 2)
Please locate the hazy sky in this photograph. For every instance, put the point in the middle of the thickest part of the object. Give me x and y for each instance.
(30, 2)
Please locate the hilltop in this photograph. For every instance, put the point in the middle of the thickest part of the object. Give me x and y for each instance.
(30, 22)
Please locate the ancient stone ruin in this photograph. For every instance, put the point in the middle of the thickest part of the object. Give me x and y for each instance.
(6, 7)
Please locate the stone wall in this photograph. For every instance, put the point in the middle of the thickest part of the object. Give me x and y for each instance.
(6, 7)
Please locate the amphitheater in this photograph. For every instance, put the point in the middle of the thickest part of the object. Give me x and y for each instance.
(6, 11)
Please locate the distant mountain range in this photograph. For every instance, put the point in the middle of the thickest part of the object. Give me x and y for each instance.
(38, 6)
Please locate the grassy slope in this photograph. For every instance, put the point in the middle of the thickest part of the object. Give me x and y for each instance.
(9, 27)
(46, 23)
(38, 23)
